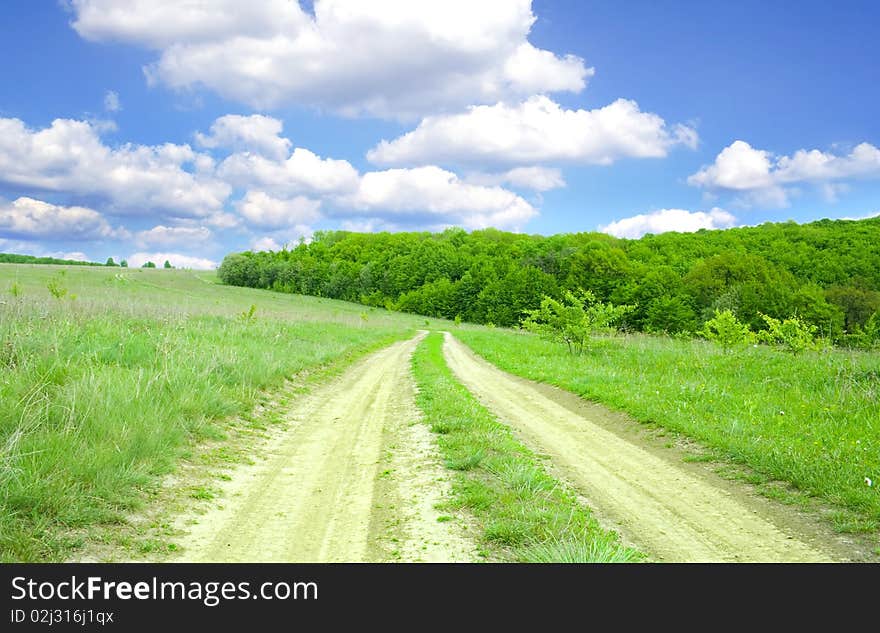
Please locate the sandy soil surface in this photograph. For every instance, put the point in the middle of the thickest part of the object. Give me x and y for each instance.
(666, 510)
(354, 478)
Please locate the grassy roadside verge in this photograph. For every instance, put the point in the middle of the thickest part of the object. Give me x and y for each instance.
(96, 406)
(525, 515)
(810, 420)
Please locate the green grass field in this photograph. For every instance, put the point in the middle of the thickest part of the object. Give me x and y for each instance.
(525, 514)
(103, 389)
(812, 420)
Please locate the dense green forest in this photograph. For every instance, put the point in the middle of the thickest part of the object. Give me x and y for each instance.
(11, 258)
(826, 272)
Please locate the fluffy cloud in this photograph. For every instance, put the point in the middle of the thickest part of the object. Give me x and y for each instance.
(176, 259)
(764, 178)
(77, 256)
(265, 244)
(69, 156)
(27, 218)
(258, 133)
(265, 211)
(366, 225)
(286, 191)
(285, 238)
(289, 192)
(534, 178)
(876, 214)
(164, 236)
(534, 131)
(813, 165)
(384, 57)
(433, 196)
(31, 248)
(738, 167)
(302, 172)
(666, 220)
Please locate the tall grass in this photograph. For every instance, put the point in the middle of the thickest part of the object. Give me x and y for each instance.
(811, 419)
(101, 395)
(525, 514)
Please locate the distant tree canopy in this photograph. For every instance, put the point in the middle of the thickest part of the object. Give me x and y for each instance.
(148, 265)
(11, 258)
(167, 264)
(826, 273)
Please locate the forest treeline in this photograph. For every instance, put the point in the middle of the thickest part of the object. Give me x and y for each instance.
(826, 272)
(12, 258)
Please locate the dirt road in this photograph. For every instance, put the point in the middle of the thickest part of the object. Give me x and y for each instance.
(655, 503)
(355, 478)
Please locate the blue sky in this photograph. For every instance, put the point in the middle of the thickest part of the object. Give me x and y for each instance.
(145, 131)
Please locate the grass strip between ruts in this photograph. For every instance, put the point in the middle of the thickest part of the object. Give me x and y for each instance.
(524, 514)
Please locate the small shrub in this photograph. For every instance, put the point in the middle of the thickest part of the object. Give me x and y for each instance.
(56, 288)
(793, 334)
(872, 331)
(249, 315)
(574, 319)
(15, 290)
(457, 320)
(727, 331)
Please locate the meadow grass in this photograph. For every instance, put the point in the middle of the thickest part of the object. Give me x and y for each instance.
(102, 393)
(812, 420)
(525, 515)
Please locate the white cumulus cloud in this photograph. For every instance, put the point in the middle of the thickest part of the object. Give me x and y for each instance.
(77, 256)
(534, 131)
(258, 133)
(265, 244)
(69, 156)
(177, 260)
(302, 172)
(384, 57)
(434, 196)
(665, 220)
(164, 236)
(534, 178)
(765, 178)
(31, 248)
(265, 211)
(28, 218)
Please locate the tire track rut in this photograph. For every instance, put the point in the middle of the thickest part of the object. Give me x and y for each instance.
(667, 511)
(315, 496)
